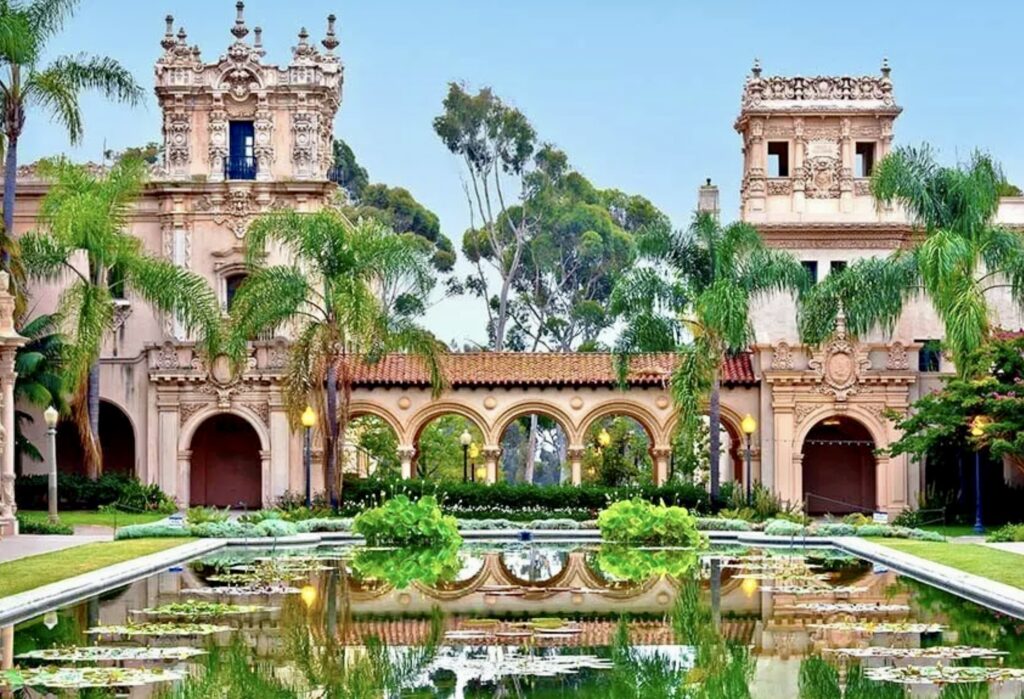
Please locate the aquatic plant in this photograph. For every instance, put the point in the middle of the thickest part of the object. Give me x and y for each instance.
(403, 522)
(100, 654)
(157, 629)
(637, 565)
(194, 609)
(401, 566)
(83, 677)
(640, 522)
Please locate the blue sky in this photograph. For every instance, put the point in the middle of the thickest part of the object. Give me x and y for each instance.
(642, 95)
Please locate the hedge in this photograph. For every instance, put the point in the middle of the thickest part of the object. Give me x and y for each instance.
(76, 492)
(358, 494)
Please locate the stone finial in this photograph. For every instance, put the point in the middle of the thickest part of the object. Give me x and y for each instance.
(168, 40)
(257, 43)
(239, 30)
(840, 331)
(756, 69)
(886, 70)
(303, 37)
(330, 41)
(182, 36)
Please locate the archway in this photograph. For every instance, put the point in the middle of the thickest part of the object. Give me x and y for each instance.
(617, 452)
(117, 441)
(533, 450)
(226, 467)
(839, 468)
(440, 455)
(371, 448)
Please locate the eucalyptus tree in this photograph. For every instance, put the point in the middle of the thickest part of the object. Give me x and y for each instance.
(962, 258)
(83, 242)
(26, 30)
(693, 298)
(351, 293)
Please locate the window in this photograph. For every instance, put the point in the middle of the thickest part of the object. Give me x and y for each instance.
(778, 158)
(115, 282)
(929, 357)
(812, 270)
(241, 164)
(865, 155)
(231, 284)
(837, 266)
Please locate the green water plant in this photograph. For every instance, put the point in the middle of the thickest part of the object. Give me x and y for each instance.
(640, 522)
(633, 564)
(402, 566)
(407, 523)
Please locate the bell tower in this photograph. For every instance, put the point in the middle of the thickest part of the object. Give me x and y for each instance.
(809, 145)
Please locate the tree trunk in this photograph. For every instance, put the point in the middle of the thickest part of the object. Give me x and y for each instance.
(715, 425)
(93, 457)
(531, 450)
(331, 449)
(10, 185)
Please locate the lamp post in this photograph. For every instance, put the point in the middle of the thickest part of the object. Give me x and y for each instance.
(465, 439)
(51, 416)
(978, 425)
(474, 454)
(749, 427)
(603, 438)
(308, 421)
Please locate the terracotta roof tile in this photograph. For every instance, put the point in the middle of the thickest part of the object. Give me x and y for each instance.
(538, 369)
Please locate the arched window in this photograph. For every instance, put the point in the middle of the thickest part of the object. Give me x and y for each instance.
(231, 284)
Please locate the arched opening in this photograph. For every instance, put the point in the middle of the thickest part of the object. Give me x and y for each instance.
(617, 452)
(441, 454)
(117, 440)
(839, 467)
(691, 460)
(371, 448)
(533, 450)
(226, 467)
(232, 283)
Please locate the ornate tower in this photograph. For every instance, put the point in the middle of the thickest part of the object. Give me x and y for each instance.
(242, 119)
(809, 145)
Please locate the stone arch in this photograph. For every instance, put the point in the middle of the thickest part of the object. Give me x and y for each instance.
(363, 407)
(869, 421)
(535, 406)
(429, 415)
(436, 409)
(644, 417)
(841, 474)
(730, 422)
(120, 455)
(185, 451)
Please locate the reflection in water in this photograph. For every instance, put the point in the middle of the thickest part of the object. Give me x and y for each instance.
(547, 621)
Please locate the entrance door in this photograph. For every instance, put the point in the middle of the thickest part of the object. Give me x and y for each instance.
(839, 468)
(226, 466)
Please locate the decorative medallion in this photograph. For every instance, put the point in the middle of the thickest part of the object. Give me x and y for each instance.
(782, 356)
(662, 402)
(167, 357)
(404, 403)
(576, 403)
(898, 359)
(490, 402)
(840, 364)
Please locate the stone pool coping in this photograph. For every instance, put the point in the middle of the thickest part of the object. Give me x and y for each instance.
(992, 594)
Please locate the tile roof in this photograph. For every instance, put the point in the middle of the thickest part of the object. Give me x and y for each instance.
(538, 369)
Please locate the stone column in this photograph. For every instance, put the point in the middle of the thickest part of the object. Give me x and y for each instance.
(280, 447)
(491, 455)
(784, 482)
(575, 456)
(798, 165)
(845, 167)
(662, 457)
(405, 456)
(10, 341)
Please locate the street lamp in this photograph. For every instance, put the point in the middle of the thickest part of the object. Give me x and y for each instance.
(978, 425)
(465, 439)
(308, 421)
(749, 427)
(51, 416)
(603, 438)
(474, 454)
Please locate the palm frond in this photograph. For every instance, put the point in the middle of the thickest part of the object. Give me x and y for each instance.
(267, 298)
(47, 17)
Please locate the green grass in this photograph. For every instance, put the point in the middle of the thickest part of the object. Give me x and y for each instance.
(1001, 566)
(104, 519)
(951, 530)
(45, 568)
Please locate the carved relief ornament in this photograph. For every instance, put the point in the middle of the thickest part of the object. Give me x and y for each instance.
(840, 364)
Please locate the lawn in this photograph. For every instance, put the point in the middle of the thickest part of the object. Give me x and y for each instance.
(34, 571)
(1001, 566)
(951, 530)
(104, 519)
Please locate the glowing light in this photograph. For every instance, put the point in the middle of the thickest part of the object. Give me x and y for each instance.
(474, 450)
(308, 417)
(50, 620)
(749, 424)
(749, 586)
(465, 438)
(603, 438)
(308, 595)
(978, 425)
(481, 473)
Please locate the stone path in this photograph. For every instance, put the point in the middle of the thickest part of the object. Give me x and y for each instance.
(15, 547)
(1012, 547)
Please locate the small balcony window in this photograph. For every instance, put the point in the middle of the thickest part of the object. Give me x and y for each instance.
(778, 158)
(929, 357)
(812, 270)
(865, 156)
(241, 162)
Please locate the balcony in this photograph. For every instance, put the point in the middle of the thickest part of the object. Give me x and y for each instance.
(240, 167)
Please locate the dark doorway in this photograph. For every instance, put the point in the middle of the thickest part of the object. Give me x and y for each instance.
(226, 469)
(117, 440)
(839, 468)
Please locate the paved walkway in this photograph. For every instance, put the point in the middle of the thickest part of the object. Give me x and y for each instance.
(1012, 546)
(15, 547)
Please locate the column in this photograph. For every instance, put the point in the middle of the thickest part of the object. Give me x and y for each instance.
(845, 167)
(798, 165)
(266, 478)
(662, 457)
(405, 456)
(171, 472)
(784, 480)
(491, 456)
(280, 447)
(10, 341)
(575, 456)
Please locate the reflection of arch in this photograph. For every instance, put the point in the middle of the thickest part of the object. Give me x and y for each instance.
(535, 407)
(225, 468)
(840, 472)
(117, 441)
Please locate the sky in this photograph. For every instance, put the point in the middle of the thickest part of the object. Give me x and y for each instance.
(641, 95)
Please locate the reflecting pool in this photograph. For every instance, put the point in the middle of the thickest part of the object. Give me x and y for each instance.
(519, 620)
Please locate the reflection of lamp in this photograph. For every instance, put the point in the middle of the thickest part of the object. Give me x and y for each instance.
(749, 586)
(603, 438)
(978, 425)
(308, 420)
(465, 439)
(51, 417)
(749, 427)
(308, 595)
(50, 620)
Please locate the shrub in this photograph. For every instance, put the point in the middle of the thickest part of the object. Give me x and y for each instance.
(324, 524)
(723, 524)
(401, 566)
(834, 529)
(908, 518)
(292, 506)
(784, 527)
(764, 505)
(857, 519)
(404, 522)
(276, 528)
(151, 530)
(225, 530)
(43, 526)
(640, 522)
(874, 530)
(201, 515)
(1006, 533)
(75, 492)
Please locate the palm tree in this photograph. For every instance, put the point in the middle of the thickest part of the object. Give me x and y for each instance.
(693, 299)
(25, 29)
(961, 259)
(351, 292)
(83, 242)
(38, 364)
